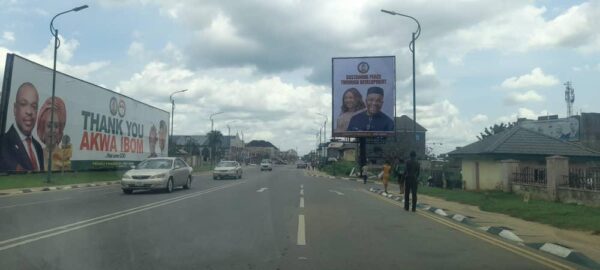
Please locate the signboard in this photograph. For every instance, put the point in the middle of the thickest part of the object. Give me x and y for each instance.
(94, 128)
(566, 129)
(364, 96)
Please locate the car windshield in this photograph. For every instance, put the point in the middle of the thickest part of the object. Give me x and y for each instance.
(155, 164)
(265, 161)
(226, 164)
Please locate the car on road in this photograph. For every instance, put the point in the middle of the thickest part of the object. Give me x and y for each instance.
(225, 169)
(164, 173)
(266, 165)
(301, 165)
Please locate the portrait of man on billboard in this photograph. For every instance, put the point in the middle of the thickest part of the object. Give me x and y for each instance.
(372, 119)
(20, 151)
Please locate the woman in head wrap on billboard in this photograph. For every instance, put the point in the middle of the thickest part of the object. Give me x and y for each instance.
(352, 103)
(61, 156)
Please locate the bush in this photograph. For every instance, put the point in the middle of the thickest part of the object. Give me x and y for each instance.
(339, 168)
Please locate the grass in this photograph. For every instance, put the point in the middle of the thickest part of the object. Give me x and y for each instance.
(560, 215)
(30, 180)
(340, 168)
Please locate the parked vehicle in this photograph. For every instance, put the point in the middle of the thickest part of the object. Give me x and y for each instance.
(224, 169)
(164, 173)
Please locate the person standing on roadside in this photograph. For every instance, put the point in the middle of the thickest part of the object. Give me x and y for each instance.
(387, 170)
(411, 180)
(365, 169)
(399, 173)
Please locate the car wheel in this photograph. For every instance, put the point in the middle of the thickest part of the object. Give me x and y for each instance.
(169, 187)
(188, 185)
(127, 191)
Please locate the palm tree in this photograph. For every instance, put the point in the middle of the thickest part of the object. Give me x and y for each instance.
(215, 140)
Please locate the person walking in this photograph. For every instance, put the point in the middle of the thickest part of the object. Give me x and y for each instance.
(365, 169)
(387, 170)
(399, 173)
(411, 180)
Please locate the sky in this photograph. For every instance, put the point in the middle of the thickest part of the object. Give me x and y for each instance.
(267, 64)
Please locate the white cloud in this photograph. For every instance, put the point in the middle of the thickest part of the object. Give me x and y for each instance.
(536, 78)
(8, 36)
(479, 119)
(136, 49)
(519, 98)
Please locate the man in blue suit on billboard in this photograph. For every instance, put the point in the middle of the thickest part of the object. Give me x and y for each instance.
(372, 119)
(20, 151)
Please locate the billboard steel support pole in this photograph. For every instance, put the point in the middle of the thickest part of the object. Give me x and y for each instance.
(172, 114)
(54, 33)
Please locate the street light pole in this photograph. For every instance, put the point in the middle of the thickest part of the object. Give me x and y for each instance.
(172, 114)
(211, 120)
(54, 33)
(324, 131)
(411, 46)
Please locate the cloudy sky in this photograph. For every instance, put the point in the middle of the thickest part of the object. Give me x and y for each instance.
(267, 63)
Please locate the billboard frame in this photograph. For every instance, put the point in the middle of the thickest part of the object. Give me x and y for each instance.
(363, 134)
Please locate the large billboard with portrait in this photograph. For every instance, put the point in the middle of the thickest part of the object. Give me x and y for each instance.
(93, 127)
(364, 96)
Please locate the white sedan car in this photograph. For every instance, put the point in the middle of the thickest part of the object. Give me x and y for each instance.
(227, 169)
(163, 173)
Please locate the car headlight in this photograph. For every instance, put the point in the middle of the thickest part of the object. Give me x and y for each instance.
(159, 176)
(127, 176)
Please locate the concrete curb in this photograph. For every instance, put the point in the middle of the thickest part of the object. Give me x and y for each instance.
(502, 232)
(565, 253)
(65, 187)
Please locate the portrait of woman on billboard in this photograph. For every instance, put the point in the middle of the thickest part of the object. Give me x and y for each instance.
(61, 154)
(152, 139)
(352, 103)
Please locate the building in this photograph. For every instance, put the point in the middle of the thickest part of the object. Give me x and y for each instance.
(343, 151)
(258, 149)
(231, 147)
(401, 143)
(482, 161)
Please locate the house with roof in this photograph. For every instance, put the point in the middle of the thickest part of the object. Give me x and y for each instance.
(401, 143)
(482, 161)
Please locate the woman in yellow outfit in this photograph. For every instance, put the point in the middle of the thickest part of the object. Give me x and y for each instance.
(387, 170)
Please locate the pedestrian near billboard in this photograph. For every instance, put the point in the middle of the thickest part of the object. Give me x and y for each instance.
(20, 151)
(387, 170)
(411, 176)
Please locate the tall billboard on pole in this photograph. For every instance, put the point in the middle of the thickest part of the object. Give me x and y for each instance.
(94, 128)
(364, 96)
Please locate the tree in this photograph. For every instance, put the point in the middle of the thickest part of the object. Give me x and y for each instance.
(495, 129)
(215, 140)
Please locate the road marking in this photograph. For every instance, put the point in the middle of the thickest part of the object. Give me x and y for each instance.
(262, 189)
(301, 233)
(336, 192)
(32, 203)
(302, 192)
(481, 236)
(32, 237)
(301, 202)
(301, 186)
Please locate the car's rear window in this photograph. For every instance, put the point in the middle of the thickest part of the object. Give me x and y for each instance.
(226, 164)
(156, 164)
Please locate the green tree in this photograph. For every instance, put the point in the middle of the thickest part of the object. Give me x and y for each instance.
(495, 129)
(215, 140)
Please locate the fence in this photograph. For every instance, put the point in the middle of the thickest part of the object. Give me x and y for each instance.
(531, 176)
(586, 179)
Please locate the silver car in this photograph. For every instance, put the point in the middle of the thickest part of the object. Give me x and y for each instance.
(163, 173)
(227, 169)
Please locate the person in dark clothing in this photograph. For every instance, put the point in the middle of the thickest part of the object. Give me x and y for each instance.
(411, 178)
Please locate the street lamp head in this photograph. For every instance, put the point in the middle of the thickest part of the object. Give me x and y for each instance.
(388, 12)
(80, 8)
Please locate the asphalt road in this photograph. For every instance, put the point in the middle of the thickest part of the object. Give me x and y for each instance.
(268, 220)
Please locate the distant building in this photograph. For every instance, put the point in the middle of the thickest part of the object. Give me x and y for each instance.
(481, 161)
(258, 149)
(401, 143)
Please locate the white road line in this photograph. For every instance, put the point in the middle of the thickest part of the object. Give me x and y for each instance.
(262, 189)
(301, 233)
(301, 186)
(301, 202)
(101, 219)
(336, 192)
(302, 192)
(32, 203)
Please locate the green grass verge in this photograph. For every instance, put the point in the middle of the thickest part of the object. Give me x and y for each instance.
(68, 178)
(560, 215)
(340, 168)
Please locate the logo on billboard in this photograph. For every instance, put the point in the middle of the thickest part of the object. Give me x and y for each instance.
(363, 67)
(113, 106)
(122, 108)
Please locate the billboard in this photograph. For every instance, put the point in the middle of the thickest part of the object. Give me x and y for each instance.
(363, 96)
(94, 128)
(566, 129)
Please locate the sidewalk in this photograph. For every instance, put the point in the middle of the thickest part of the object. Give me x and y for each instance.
(530, 232)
